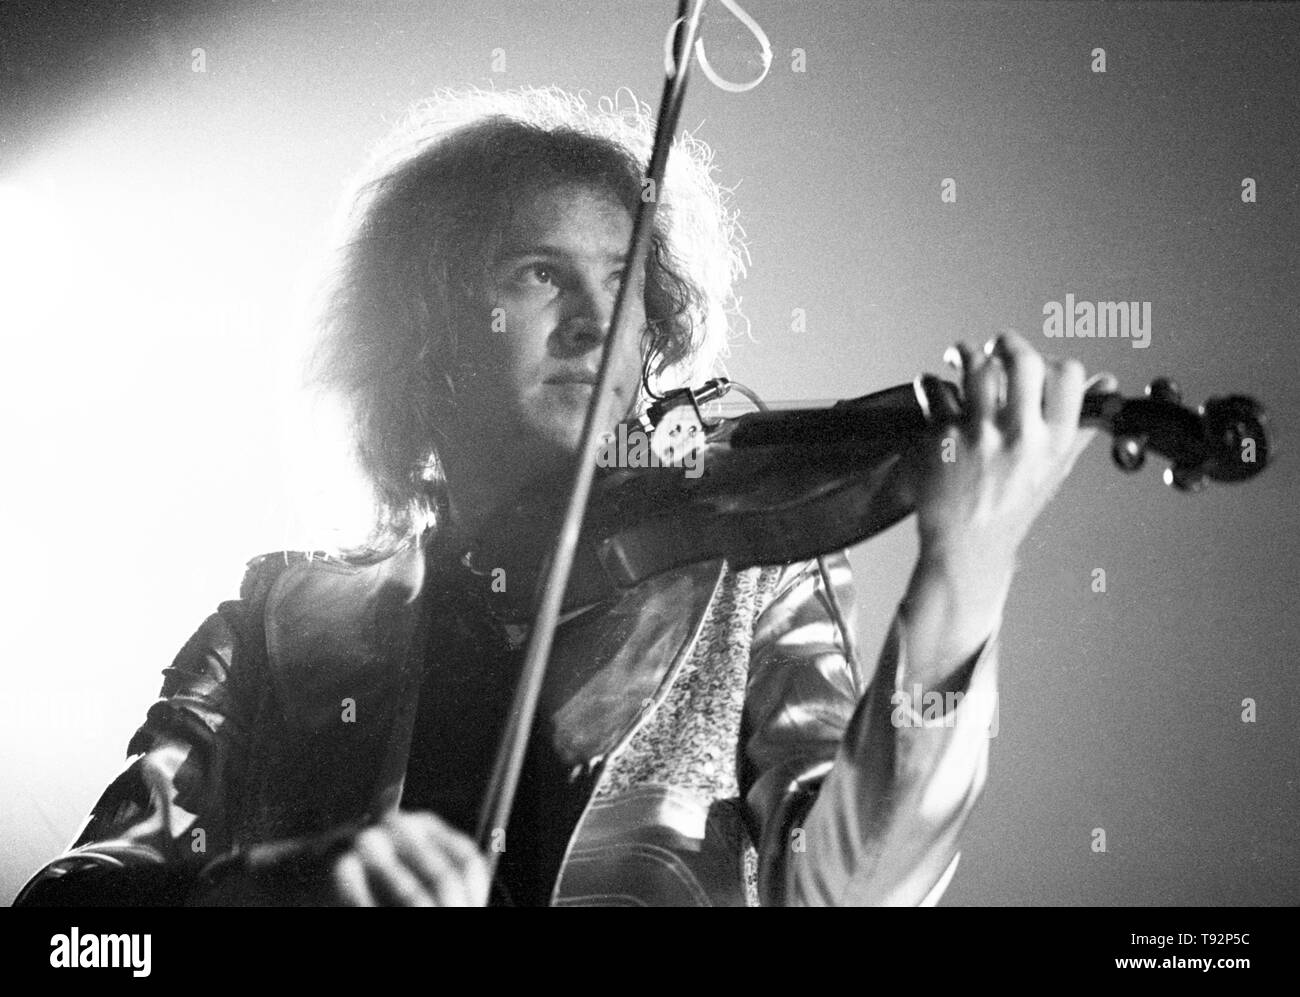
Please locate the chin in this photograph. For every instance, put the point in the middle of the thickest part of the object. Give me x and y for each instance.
(564, 444)
(551, 445)
(554, 432)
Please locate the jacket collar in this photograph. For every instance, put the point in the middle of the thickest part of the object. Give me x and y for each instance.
(332, 626)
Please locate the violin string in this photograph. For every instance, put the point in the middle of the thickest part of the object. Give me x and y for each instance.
(729, 407)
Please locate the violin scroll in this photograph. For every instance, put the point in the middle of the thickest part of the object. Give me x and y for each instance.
(1237, 437)
(1226, 439)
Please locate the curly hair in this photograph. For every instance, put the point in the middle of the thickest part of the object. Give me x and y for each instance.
(419, 233)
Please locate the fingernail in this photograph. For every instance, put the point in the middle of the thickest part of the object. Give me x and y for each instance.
(1102, 381)
(989, 347)
(952, 357)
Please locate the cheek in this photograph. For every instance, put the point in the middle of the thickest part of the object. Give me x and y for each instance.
(632, 360)
(638, 348)
(517, 336)
(630, 381)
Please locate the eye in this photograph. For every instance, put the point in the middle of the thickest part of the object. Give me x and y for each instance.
(536, 274)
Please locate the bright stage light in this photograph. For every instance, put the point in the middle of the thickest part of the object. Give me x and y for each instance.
(155, 433)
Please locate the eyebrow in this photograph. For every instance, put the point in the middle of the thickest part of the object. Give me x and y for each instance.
(517, 251)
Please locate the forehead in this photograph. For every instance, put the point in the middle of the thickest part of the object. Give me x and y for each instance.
(576, 217)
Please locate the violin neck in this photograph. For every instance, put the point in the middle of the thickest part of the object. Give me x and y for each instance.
(941, 402)
(890, 416)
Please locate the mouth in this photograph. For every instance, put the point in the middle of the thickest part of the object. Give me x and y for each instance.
(582, 383)
(576, 379)
(573, 377)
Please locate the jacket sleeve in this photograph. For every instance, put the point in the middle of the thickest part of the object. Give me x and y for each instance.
(856, 794)
(163, 819)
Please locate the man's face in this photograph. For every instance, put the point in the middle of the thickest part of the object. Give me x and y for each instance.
(552, 290)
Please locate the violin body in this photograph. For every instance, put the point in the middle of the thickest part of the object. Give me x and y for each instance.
(780, 486)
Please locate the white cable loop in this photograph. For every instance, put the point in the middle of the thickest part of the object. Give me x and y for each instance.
(765, 52)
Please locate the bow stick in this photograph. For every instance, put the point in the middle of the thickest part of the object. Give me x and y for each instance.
(495, 815)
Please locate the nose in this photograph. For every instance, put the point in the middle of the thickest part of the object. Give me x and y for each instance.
(585, 320)
(580, 334)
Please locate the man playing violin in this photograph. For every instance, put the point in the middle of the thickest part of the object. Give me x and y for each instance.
(705, 737)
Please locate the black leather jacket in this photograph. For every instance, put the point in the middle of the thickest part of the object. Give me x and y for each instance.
(734, 755)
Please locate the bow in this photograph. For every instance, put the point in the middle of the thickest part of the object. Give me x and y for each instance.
(681, 41)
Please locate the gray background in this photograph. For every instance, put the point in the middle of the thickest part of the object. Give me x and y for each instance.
(147, 377)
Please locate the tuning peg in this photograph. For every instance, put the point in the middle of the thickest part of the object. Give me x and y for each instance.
(1130, 452)
(1162, 389)
(1186, 479)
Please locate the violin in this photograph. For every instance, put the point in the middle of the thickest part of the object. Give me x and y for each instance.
(773, 487)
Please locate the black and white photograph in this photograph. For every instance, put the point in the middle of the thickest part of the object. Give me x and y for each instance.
(651, 453)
